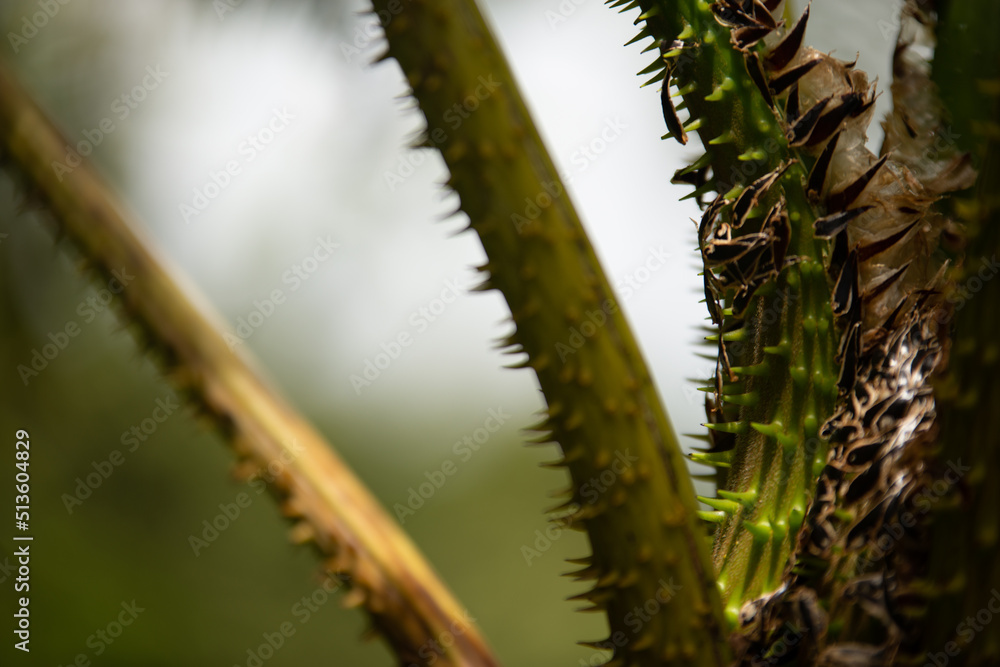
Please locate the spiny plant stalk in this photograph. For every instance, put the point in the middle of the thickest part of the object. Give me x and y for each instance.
(603, 409)
(765, 283)
(363, 546)
(742, 76)
(859, 565)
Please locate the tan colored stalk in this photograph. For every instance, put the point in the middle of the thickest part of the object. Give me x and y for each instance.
(382, 568)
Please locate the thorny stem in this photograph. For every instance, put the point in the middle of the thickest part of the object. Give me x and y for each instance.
(383, 569)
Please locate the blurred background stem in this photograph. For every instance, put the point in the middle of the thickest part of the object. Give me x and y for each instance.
(379, 564)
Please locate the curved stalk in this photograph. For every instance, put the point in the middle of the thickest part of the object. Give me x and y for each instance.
(776, 378)
(631, 491)
(364, 547)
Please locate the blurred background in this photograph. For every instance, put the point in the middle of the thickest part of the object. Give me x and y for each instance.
(328, 206)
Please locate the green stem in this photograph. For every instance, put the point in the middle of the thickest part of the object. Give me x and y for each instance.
(782, 347)
(631, 490)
